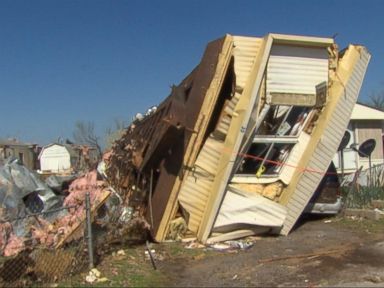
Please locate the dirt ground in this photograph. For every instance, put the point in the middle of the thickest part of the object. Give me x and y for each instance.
(319, 252)
(322, 252)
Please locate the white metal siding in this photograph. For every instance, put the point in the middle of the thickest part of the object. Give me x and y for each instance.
(293, 69)
(326, 148)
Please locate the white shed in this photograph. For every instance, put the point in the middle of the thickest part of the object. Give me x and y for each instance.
(57, 158)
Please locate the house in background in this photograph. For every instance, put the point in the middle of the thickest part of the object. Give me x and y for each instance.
(365, 123)
(66, 158)
(26, 153)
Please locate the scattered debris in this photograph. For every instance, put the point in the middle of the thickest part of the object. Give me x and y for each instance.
(177, 229)
(95, 276)
(195, 245)
(232, 245)
(381, 212)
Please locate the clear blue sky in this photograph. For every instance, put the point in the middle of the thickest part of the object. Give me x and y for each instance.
(63, 61)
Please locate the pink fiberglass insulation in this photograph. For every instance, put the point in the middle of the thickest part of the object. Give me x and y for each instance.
(14, 245)
(77, 192)
(5, 232)
(10, 244)
(82, 185)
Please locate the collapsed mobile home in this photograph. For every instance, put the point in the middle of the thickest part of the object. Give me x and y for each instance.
(241, 144)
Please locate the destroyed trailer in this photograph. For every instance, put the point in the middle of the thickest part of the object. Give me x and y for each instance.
(241, 144)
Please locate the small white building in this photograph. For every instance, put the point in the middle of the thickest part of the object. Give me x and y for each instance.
(365, 123)
(58, 158)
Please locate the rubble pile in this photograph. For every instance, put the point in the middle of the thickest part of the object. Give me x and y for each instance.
(27, 205)
(149, 154)
(121, 162)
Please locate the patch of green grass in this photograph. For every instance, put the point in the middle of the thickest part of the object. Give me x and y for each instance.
(362, 197)
(129, 270)
(135, 270)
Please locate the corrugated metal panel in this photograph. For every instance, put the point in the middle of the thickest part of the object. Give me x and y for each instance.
(309, 181)
(197, 186)
(293, 69)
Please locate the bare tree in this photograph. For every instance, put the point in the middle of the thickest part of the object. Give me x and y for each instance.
(112, 134)
(376, 99)
(84, 133)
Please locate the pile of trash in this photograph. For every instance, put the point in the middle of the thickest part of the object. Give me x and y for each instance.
(35, 214)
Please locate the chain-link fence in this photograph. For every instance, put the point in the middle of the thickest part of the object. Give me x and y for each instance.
(35, 252)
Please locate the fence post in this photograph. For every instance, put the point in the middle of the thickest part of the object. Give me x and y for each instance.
(89, 229)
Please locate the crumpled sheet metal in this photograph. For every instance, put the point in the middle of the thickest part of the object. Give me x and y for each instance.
(17, 182)
(59, 183)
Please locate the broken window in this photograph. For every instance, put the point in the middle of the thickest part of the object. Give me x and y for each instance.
(283, 120)
(274, 140)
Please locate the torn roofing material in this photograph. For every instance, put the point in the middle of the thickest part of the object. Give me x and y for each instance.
(259, 116)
